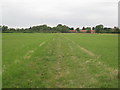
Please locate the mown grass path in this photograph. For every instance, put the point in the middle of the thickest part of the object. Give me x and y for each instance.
(55, 61)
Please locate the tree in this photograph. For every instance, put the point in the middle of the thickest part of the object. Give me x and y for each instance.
(62, 28)
(88, 28)
(77, 29)
(71, 28)
(116, 29)
(88, 31)
(83, 28)
(58, 29)
(98, 28)
(93, 28)
(4, 28)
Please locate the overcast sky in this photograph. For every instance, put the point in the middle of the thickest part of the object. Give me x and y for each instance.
(74, 13)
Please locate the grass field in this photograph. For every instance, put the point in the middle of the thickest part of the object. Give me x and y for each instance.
(60, 60)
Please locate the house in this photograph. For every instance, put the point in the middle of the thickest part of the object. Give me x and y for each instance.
(83, 31)
(73, 31)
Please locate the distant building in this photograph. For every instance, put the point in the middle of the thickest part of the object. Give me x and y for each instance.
(85, 31)
(73, 31)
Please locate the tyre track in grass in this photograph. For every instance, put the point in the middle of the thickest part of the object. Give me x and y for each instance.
(67, 65)
(30, 52)
(43, 66)
(81, 69)
(41, 44)
(60, 66)
(36, 69)
(92, 64)
(79, 72)
(82, 48)
(96, 57)
(53, 65)
(52, 69)
(59, 57)
(23, 66)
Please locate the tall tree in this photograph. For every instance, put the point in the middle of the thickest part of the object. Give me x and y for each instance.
(4, 28)
(77, 29)
(71, 28)
(93, 28)
(98, 28)
(83, 28)
(88, 28)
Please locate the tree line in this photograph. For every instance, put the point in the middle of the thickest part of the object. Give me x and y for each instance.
(58, 29)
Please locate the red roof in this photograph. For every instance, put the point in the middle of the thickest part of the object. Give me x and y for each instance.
(92, 30)
(72, 30)
(86, 31)
(83, 30)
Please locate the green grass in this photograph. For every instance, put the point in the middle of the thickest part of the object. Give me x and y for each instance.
(60, 60)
